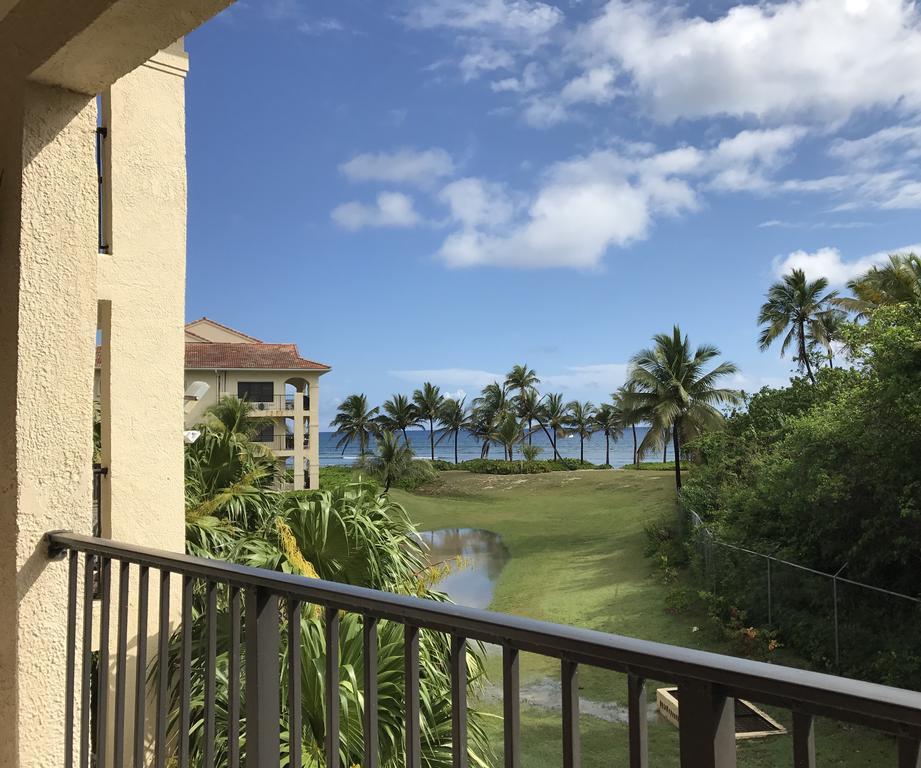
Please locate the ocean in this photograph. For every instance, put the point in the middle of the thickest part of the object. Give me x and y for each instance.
(469, 448)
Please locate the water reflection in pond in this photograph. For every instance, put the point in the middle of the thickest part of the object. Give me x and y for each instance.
(484, 557)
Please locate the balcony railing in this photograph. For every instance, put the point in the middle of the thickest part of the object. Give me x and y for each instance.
(280, 442)
(707, 683)
(275, 402)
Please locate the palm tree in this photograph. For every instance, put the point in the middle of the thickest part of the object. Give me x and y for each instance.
(609, 419)
(675, 391)
(523, 381)
(552, 418)
(898, 281)
(399, 415)
(826, 331)
(428, 402)
(482, 424)
(580, 418)
(507, 433)
(351, 535)
(494, 399)
(625, 400)
(453, 417)
(791, 310)
(355, 421)
(392, 459)
(527, 405)
(235, 416)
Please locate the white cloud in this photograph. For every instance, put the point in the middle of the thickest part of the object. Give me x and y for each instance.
(319, 26)
(829, 263)
(404, 166)
(449, 378)
(531, 78)
(522, 21)
(600, 377)
(391, 209)
(595, 85)
(823, 59)
(477, 203)
(608, 198)
(485, 58)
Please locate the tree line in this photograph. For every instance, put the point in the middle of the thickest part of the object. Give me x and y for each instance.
(670, 386)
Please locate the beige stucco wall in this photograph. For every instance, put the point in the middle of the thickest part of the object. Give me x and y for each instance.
(141, 290)
(47, 322)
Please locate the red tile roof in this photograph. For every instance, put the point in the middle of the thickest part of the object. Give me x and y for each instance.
(234, 355)
(230, 355)
(225, 327)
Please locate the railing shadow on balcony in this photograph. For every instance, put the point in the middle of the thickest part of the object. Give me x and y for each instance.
(707, 683)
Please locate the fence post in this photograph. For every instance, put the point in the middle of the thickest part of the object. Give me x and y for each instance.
(770, 601)
(263, 698)
(706, 731)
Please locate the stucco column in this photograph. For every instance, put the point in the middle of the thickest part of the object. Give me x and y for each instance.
(47, 338)
(300, 452)
(141, 284)
(313, 429)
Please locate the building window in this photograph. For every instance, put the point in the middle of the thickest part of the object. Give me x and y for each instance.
(256, 391)
(266, 434)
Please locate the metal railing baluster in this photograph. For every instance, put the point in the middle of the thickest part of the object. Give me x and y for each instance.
(185, 673)
(706, 731)
(332, 688)
(121, 662)
(294, 683)
(569, 679)
(160, 745)
(102, 685)
(86, 669)
(909, 752)
(210, 670)
(140, 690)
(233, 680)
(263, 695)
(411, 695)
(369, 716)
(459, 701)
(636, 721)
(70, 670)
(511, 707)
(803, 740)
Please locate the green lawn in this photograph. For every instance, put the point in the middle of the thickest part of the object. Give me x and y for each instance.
(576, 542)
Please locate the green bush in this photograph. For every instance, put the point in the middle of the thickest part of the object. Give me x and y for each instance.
(657, 466)
(502, 467)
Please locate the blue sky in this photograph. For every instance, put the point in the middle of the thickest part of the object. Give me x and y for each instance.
(438, 189)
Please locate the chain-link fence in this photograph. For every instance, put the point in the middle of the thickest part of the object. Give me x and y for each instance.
(838, 623)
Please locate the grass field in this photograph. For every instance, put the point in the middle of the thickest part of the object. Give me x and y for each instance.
(576, 542)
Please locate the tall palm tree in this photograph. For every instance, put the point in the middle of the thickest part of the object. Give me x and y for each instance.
(494, 399)
(428, 402)
(399, 414)
(609, 420)
(791, 310)
(507, 433)
(481, 425)
(625, 399)
(453, 417)
(827, 331)
(580, 417)
(527, 405)
(355, 421)
(677, 393)
(523, 381)
(895, 282)
(552, 418)
(520, 379)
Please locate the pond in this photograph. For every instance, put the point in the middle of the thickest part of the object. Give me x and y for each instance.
(484, 557)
